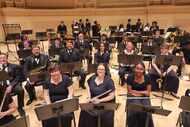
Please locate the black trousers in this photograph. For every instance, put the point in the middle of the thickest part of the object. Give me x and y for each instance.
(19, 91)
(30, 88)
(82, 75)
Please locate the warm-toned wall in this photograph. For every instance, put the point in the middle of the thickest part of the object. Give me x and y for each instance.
(40, 20)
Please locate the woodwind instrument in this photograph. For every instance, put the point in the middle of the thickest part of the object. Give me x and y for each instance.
(2, 103)
(101, 95)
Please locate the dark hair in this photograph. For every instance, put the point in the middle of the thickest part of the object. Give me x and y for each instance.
(105, 66)
(142, 64)
(100, 45)
(187, 92)
(35, 46)
(53, 67)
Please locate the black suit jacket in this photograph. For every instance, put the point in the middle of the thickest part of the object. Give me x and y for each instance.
(68, 57)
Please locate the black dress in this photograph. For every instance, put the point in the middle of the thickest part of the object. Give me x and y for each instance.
(107, 117)
(136, 118)
(56, 93)
(7, 101)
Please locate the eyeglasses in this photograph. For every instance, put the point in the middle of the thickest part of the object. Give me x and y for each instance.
(100, 69)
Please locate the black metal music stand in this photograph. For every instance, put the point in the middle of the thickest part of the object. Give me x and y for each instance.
(149, 109)
(20, 122)
(129, 59)
(4, 76)
(57, 109)
(185, 106)
(92, 68)
(26, 32)
(98, 108)
(169, 60)
(71, 67)
(24, 53)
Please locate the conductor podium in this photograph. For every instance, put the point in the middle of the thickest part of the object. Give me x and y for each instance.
(97, 109)
(57, 109)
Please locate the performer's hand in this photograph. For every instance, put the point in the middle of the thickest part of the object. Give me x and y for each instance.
(2, 114)
(96, 101)
(8, 89)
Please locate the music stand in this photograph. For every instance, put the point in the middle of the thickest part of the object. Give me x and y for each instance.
(26, 32)
(71, 67)
(129, 59)
(4, 76)
(185, 106)
(148, 109)
(24, 53)
(20, 122)
(57, 109)
(91, 68)
(169, 60)
(98, 108)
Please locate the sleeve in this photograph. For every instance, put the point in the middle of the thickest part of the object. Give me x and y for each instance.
(110, 85)
(46, 85)
(129, 80)
(9, 99)
(147, 80)
(68, 81)
(17, 73)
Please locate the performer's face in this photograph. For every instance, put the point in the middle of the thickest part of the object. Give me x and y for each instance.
(101, 71)
(81, 36)
(69, 45)
(139, 70)
(164, 50)
(3, 59)
(129, 46)
(36, 51)
(102, 47)
(55, 75)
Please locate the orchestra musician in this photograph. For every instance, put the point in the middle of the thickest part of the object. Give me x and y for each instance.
(126, 69)
(58, 87)
(165, 71)
(8, 107)
(14, 85)
(36, 60)
(102, 56)
(84, 45)
(138, 85)
(69, 55)
(97, 85)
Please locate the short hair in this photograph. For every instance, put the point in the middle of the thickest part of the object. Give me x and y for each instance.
(53, 67)
(164, 45)
(35, 46)
(4, 54)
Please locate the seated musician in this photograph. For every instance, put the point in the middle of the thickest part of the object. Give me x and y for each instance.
(157, 39)
(69, 55)
(125, 69)
(104, 39)
(138, 85)
(166, 72)
(9, 107)
(14, 85)
(97, 85)
(36, 60)
(83, 45)
(121, 46)
(25, 43)
(102, 56)
(56, 44)
(58, 87)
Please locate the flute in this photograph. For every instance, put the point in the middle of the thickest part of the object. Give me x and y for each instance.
(101, 95)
